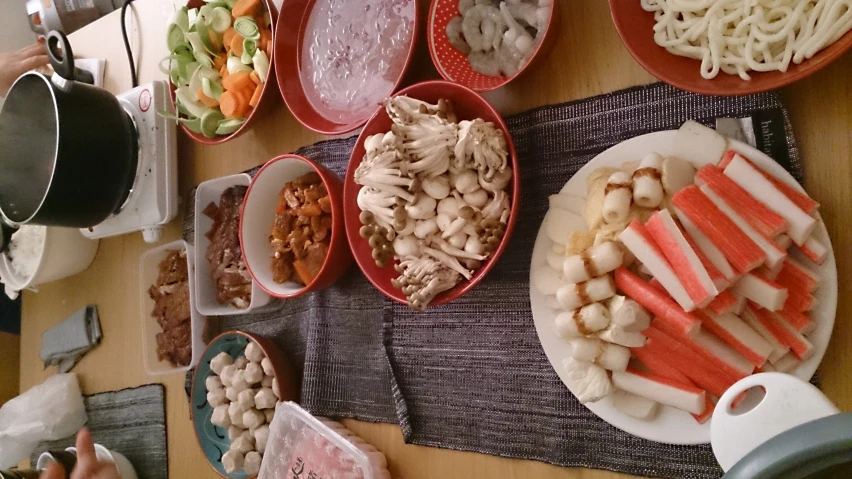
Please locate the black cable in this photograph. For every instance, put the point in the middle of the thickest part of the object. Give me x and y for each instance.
(127, 45)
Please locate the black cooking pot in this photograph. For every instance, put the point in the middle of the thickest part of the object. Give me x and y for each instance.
(68, 150)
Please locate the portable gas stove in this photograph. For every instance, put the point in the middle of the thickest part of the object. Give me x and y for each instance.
(153, 197)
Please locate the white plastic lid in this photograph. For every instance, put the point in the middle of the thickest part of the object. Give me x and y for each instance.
(307, 447)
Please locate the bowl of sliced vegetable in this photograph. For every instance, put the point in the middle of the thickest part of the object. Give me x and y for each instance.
(219, 65)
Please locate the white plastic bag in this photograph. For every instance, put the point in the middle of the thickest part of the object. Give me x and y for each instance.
(52, 410)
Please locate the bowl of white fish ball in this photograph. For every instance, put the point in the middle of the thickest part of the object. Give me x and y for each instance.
(237, 384)
(484, 44)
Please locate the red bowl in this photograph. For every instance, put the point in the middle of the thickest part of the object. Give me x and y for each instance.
(453, 65)
(288, 52)
(468, 105)
(264, 94)
(636, 28)
(258, 214)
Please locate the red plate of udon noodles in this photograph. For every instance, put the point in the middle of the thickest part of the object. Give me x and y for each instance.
(453, 65)
(339, 58)
(636, 28)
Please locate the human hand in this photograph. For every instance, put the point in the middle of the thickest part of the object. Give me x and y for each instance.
(88, 466)
(16, 63)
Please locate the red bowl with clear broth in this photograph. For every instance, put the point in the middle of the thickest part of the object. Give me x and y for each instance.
(293, 19)
(268, 85)
(453, 64)
(636, 28)
(468, 105)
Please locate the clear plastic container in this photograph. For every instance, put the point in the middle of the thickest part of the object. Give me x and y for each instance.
(205, 291)
(301, 445)
(148, 271)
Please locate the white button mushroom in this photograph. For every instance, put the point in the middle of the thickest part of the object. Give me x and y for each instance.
(220, 361)
(449, 206)
(232, 461)
(265, 399)
(253, 373)
(246, 398)
(437, 187)
(220, 416)
(254, 353)
(422, 208)
(478, 198)
(466, 182)
(251, 464)
(253, 418)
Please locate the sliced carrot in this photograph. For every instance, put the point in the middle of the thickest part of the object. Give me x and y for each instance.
(238, 81)
(245, 7)
(237, 44)
(228, 37)
(219, 62)
(232, 104)
(211, 102)
(223, 72)
(255, 78)
(265, 37)
(302, 270)
(255, 98)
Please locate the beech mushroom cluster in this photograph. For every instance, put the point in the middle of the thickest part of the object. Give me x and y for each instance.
(433, 196)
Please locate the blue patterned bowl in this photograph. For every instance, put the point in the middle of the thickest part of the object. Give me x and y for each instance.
(214, 440)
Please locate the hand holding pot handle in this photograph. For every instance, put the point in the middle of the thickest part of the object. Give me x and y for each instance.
(63, 61)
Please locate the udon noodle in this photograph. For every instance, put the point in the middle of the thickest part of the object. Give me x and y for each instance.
(738, 36)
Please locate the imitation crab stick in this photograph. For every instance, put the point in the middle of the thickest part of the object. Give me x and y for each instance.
(750, 178)
(682, 258)
(704, 245)
(783, 332)
(657, 302)
(775, 255)
(656, 362)
(639, 241)
(728, 363)
(724, 302)
(719, 280)
(787, 363)
(667, 357)
(800, 321)
(779, 349)
(662, 390)
(761, 218)
(763, 291)
(802, 200)
(740, 250)
(784, 241)
(573, 296)
(633, 405)
(738, 335)
(799, 301)
(795, 275)
(814, 250)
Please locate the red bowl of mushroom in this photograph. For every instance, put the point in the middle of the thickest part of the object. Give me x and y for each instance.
(451, 49)
(448, 217)
(337, 62)
(291, 227)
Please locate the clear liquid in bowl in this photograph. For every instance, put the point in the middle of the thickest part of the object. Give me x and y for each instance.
(353, 53)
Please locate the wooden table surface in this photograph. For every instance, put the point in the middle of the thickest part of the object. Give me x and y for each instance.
(589, 59)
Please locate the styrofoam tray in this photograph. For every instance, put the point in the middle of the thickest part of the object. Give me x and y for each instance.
(148, 271)
(205, 291)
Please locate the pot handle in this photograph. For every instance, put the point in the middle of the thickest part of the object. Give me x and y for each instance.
(63, 62)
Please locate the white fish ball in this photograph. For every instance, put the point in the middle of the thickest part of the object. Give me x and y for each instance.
(220, 361)
(253, 418)
(261, 436)
(217, 398)
(254, 353)
(232, 461)
(246, 399)
(267, 381)
(265, 399)
(235, 412)
(251, 464)
(234, 432)
(213, 383)
(220, 416)
(241, 362)
(242, 444)
(266, 364)
(253, 373)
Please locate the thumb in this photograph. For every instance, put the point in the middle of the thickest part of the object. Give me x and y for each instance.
(53, 471)
(86, 456)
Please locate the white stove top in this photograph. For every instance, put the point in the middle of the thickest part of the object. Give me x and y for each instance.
(153, 200)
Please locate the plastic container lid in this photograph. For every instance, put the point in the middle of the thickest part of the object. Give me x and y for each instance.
(301, 445)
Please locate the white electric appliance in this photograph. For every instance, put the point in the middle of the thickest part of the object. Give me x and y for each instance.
(153, 197)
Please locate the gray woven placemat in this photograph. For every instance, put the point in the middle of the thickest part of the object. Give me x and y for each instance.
(130, 421)
(471, 375)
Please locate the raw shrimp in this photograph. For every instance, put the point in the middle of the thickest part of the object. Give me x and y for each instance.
(509, 59)
(454, 34)
(526, 13)
(465, 5)
(516, 35)
(485, 63)
(479, 25)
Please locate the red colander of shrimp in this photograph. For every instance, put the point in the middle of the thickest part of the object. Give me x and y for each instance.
(484, 44)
